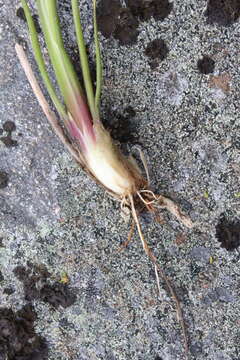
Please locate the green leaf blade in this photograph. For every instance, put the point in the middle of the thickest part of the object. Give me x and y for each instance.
(68, 82)
(98, 58)
(40, 61)
(84, 60)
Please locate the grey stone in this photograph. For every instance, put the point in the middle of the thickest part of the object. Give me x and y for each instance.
(51, 213)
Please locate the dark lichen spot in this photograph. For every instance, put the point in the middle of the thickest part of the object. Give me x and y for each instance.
(1, 276)
(158, 358)
(206, 65)
(156, 50)
(8, 141)
(57, 295)
(37, 286)
(145, 9)
(122, 128)
(122, 22)
(20, 13)
(3, 179)
(8, 291)
(18, 340)
(116, 21)
(228, 233)
(9, 126)
(222, 12)
(129, 111)
(107, 12)
(126, 27)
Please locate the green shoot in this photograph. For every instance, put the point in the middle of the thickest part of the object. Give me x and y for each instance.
(84, 60)
(98, 58)
(40, 62)
(66, 76)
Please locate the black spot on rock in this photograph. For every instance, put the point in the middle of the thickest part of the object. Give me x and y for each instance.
(107, 12)
(8, 141)
(37, 286)
(156, 50)
(9, 291)
(228, 233)
(145, 9)
(3, 179)
(122, 22)
(18, 340)
(20, 13)
(129, 111)
(206, 65)
(9, 126)
(1, 276)
(122, 128)
(57, 294)
(116, 21)
(222, 12)
(126, 27)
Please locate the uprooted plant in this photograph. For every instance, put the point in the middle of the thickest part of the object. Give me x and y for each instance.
(86, 139)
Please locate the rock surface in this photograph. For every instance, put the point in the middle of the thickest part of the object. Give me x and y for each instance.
(60, 234)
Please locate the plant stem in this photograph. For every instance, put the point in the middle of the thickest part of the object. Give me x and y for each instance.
(84, 60)
(98, 58)
(40, 62)
(64, 71)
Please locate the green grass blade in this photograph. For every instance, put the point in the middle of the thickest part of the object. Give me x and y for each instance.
(40, 62)
(98, 58)
(84, 59)
(66, 76)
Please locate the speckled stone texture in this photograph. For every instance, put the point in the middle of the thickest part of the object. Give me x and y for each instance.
(52, 216)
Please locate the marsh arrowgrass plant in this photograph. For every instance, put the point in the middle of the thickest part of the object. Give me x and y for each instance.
(87, 140)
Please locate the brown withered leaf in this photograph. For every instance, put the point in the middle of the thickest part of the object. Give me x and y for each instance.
(221, 81)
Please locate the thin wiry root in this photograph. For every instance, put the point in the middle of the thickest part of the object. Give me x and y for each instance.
(158, 270)
(129, 238)
(158, 281)
(165, 203)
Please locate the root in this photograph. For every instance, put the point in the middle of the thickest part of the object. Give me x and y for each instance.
(159, 270)
(160, 200)
(163, 202)
(158, 281)
(129, 238)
